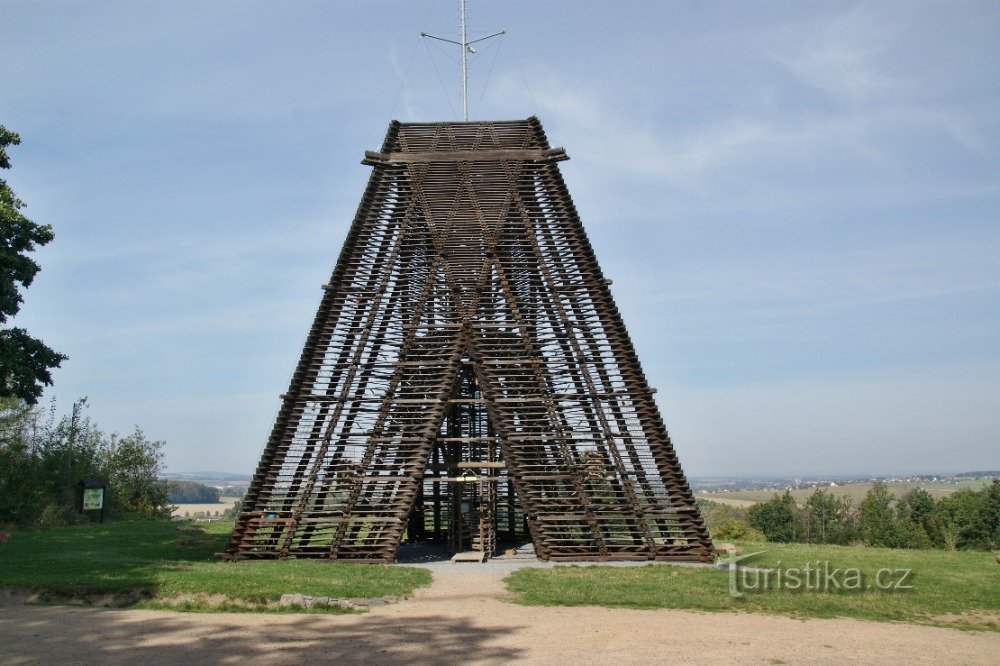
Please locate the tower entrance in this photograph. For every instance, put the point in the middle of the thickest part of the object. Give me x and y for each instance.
(466, 499)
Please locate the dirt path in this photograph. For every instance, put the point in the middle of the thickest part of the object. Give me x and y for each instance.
(463, 619)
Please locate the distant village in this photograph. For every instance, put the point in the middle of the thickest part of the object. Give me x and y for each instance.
(234, 486)
(778, 484)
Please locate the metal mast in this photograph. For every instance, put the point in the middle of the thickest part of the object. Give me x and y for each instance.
(466, 46)
(465, 60)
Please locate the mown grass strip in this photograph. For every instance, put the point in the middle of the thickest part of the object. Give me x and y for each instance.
(957, 589)
(176, 568)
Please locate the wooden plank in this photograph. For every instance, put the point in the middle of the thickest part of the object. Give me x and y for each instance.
(469, 556)
(424, 157)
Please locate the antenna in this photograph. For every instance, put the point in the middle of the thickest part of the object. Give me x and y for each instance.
(466, 46)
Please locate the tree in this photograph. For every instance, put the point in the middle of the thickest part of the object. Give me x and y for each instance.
(133, 465)
(189, 492)
(914, 513)
(921, 505)
(954, 515)
(876, 520)
(778, 518)
(983, 531)
(828, 518)
(18, 495)
(233, 512)
(909, 533)
(25, 362)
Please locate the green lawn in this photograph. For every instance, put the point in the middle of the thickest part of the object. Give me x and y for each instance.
(175, 568)
(960, 589)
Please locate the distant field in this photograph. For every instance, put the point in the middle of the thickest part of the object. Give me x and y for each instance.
(725, 498)
(191, 509)
(855, 491)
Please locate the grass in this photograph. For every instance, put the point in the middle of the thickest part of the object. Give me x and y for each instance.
(170, 568)
(856, 491)
(955, 589)
(175, 569)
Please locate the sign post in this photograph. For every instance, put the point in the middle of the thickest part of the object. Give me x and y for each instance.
(93, 496)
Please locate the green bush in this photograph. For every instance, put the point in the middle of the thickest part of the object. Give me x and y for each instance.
(43, 459)
(735, 529)
(778, 518)
(965, 520)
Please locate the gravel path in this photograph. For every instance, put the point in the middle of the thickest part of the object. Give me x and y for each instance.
(463, 618)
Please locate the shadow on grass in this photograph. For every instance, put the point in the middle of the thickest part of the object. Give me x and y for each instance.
(121, 563)
(113, 557)
(54, 635)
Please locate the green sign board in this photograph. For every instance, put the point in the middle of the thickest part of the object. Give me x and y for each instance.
(93, 499)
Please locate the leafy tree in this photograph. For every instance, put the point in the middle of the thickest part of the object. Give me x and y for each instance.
(234, 511)
(189, 492)
(921, 505)
(953, 516)
(16, 497)
(134, 464)
(876, 520)
(915, 513)
(25, 361)
(820, 512)
(983, 531)
(909, 532)
(846, 525)
(778, 518)
(828, 518)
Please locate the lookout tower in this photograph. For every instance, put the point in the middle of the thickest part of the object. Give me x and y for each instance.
(468, 378)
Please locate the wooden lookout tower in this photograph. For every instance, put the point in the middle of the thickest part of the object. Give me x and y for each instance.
(468, 379)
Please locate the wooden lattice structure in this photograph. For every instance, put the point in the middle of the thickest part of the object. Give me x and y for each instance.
(468, 378)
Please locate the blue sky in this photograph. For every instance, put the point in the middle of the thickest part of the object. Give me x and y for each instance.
(798, 204)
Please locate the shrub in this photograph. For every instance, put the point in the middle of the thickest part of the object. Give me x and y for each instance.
(43, 459)
(778, 518)
(735, 529)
